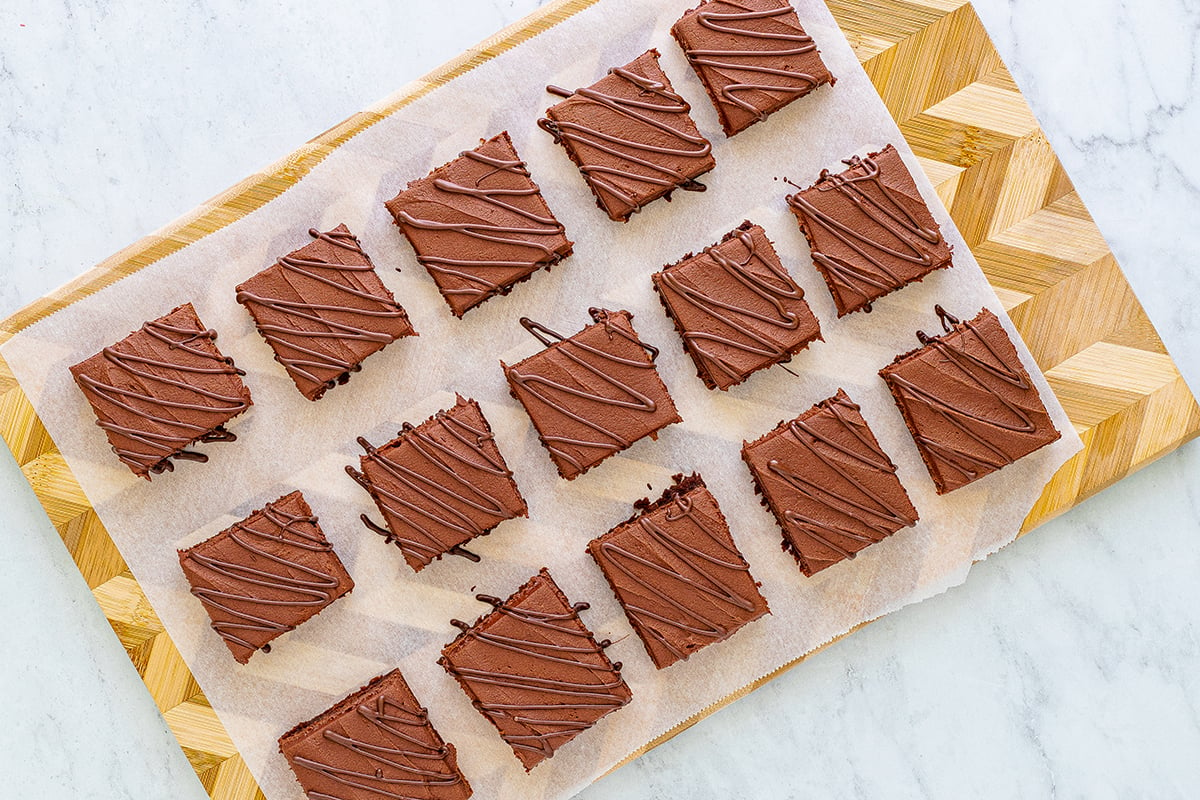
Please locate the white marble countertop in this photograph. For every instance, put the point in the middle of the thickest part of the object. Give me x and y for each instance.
(1066, 666)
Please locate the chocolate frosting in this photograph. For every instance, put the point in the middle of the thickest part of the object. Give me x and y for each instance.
(593, 394)
(829, 484)
(323, 310)
(161, 389)
(534, 670)
(736, 307)
(265, 575)
(870, 230)
(631, 136)
(440, 484)
(678, 574)
(479, 224)
(376, 744)
(968, 401)
(752, 56)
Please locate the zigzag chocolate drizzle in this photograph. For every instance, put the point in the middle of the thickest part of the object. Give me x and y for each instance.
(315, 590)
(864, 507)
(730, 62)
(553, 393)
(403, 727)
(889, 215)
(455, 487)
(519, 234)
(688, 619)
(631, 150)
(760, 285)
(161, 447)
(971, 368)
(581, 696)
(282, 336)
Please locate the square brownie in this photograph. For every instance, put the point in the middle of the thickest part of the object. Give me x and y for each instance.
(593, 394)
(323, 310)
(265, 575)
(479, 224)
(161, 389)
(736, 307)
(967, 400)
(534, 670)
(870, 230)
(678, 574)
(829, 484)
(631, 136)
(752, 57)
(376, 743)
(440, 484)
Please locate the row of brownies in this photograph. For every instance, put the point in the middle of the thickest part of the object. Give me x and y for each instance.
(480, 225)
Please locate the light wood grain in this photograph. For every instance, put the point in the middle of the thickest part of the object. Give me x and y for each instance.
(980, 145)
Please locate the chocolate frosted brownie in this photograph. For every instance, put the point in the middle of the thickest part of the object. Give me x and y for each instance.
(161, 389)
(440, 484)
(968, 401)
(631, 136)
(678, 574)
(323, 310)
(829, 484)
(376, 743)
(752, 57)
(593, 394)
(265, 575)
(870, 230)
(534, 670)
(736, 307)
(479, 224)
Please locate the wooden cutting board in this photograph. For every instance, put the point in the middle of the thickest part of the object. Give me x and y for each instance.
(957, 105)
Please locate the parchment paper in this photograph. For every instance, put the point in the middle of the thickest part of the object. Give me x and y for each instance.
(395, 618)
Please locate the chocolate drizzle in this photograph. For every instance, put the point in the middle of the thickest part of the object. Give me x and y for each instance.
(577, 399)
(644, 149)
(857, 504)
(268, 581)
(890, 237)
(678, 574)
(479, 224)
(544, 679)
(764, 66)
(742, 325)
(437, 486)
(376, 743)
(322, 335)
(983, 403)
(161, 389)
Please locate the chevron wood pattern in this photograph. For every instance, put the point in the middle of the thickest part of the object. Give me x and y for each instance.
(957, 105)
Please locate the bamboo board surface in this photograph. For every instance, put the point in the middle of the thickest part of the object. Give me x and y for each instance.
(963, 115)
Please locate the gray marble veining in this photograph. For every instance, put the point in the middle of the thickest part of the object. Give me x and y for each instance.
(1065, 667)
